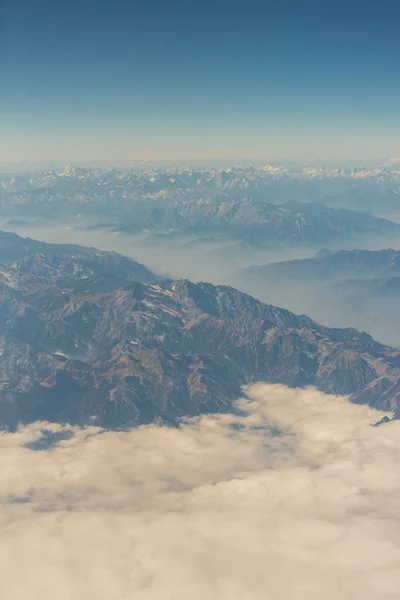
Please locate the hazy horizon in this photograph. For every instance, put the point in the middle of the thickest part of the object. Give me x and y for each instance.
(206, 163)
(170, 81)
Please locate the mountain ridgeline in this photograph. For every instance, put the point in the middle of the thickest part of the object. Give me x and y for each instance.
(259, 205)
(75, 188)
(352, 287)
(93, 338)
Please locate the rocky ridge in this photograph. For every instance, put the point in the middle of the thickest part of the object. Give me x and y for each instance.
(141, 352)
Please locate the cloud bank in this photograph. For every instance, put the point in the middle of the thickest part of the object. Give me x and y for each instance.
(298, 498)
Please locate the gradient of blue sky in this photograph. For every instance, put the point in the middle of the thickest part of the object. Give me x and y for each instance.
(170, 80)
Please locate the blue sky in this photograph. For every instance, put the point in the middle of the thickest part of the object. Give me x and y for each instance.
(190, 80)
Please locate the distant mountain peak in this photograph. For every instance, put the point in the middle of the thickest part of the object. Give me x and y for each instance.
(68, 171)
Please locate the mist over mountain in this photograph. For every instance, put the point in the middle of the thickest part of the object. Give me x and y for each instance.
(257, 224)
(200, 223)
(356, 288)
(333, 266)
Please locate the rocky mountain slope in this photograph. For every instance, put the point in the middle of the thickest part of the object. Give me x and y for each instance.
(66, 262)
(120, 356)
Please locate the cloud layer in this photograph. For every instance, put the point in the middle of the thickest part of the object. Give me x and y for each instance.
(299, 498)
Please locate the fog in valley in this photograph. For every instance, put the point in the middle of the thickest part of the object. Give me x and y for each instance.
(223, 260)
(171, 254)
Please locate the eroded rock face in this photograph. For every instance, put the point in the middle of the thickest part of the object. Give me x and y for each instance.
(81, 345)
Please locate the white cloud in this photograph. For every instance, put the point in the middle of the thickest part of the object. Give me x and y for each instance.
(208, 511)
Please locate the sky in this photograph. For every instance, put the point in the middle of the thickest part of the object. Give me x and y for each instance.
(150, 79)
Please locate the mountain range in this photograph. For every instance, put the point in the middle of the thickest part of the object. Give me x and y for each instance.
(72, 188)
(255, 222)
(82, 347)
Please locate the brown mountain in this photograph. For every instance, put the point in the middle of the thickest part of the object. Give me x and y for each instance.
(76, 348)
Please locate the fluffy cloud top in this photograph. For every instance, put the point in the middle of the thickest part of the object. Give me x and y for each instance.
(298, 498)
